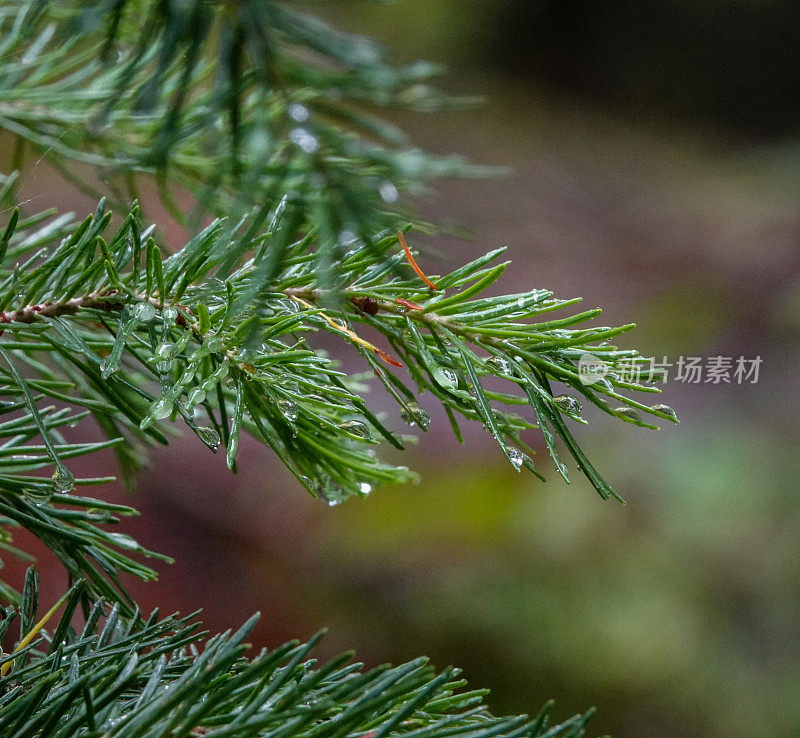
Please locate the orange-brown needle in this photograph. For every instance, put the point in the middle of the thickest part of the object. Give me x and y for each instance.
(413, 263)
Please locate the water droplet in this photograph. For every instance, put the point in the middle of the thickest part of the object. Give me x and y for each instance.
(331, 492)
(108, 366)
(209, 436)
(497, 363)
(445, 377)
(144, 312)
(666, 410)
(63, 480)
(356, 428)
(567, 404)
(413, 414)
(289, 409)
(627, 412)
(212, 345)
(388, 192)
(222, 371)
(169, 314)
(516, 457)
(346, 237)
(163, 350)
(124, 541)
(520, 302)
(303, 139)
(365, 488)
(161, 408)
(74, 669)
(298, 112)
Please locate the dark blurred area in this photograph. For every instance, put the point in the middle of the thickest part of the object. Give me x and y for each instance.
(655, 156)
(729, 63)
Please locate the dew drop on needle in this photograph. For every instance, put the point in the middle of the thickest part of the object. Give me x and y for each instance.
(209, 436)
(63, 480)
(413, 414)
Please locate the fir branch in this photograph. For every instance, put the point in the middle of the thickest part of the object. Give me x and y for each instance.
(159, 678)
(225, 339)
(235, 125)
(266, 116)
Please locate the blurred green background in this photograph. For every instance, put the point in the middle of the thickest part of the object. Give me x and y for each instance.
(655, 152)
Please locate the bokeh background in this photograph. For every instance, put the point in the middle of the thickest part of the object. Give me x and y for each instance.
(655, 155)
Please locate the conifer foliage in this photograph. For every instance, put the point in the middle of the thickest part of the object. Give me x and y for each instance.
(267, 121)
